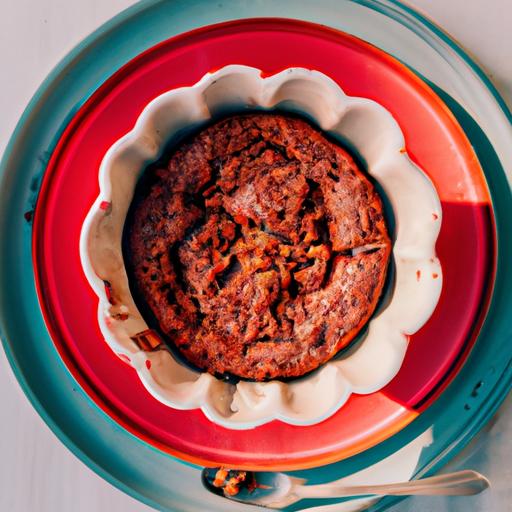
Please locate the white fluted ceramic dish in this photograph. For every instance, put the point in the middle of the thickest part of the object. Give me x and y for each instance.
(377, 137)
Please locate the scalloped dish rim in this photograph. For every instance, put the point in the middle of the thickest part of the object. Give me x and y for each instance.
(377, 137)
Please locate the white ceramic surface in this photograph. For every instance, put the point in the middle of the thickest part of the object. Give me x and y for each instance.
(416, 209)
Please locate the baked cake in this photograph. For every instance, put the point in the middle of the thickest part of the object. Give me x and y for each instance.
(260, 248)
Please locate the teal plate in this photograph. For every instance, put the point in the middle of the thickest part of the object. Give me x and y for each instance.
(144, 472)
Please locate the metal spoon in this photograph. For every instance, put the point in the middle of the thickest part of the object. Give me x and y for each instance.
(277, 490)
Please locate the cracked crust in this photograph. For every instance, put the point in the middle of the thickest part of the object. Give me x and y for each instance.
(261, 249)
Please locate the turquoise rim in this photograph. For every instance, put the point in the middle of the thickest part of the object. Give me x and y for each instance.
(61, 94)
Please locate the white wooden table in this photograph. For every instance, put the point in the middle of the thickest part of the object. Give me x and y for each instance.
(37, 473)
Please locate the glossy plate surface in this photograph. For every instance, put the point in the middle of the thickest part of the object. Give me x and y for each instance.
(70, 307)
(113, 452)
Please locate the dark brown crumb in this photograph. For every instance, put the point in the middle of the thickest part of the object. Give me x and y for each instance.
(242, 247)
(231, 481)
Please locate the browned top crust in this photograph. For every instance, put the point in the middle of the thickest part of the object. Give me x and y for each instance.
(261, 249)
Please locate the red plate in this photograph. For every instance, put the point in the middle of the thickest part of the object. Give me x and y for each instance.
(435, 142)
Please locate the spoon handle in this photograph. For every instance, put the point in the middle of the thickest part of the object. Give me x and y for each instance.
(460, 483)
